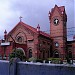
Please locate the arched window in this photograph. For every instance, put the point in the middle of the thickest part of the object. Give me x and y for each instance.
(56, 44)
(56, 54)
(30, 53)
(48, 54)
(43, 54)
(51, 51)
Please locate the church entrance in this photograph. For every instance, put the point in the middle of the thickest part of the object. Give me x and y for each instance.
(56, 54)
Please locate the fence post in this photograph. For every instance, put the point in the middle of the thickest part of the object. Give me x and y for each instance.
(13, 66)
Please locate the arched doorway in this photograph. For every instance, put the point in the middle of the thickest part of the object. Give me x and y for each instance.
(43, 54)
(70, 54)
(56, 54)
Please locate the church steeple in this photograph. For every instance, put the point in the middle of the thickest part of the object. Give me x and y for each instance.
(58, 21)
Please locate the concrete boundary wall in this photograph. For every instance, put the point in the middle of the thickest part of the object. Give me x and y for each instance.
(44, 69)
(28, 68)
(4, 67)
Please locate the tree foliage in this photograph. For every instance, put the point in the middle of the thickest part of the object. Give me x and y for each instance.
(17, 53)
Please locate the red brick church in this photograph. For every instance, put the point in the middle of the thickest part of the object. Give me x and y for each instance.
(36, 43)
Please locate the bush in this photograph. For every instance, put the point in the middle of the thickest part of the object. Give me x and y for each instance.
(39, 60)
(32, 59)
(18, 53)
(54, 60)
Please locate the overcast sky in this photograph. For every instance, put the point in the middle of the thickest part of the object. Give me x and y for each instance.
(34, 12)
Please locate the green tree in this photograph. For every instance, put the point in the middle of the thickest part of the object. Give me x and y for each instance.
(18, 53)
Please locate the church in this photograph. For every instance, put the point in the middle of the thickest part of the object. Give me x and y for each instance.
(36, 43)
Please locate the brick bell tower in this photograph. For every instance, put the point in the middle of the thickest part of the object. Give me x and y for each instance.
(58, 31)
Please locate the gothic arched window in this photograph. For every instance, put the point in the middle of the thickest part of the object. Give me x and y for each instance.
(19, 39)
(56, 54)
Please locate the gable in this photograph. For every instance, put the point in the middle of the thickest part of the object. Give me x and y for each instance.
(20, 31)
(26, 30)
(21, 26)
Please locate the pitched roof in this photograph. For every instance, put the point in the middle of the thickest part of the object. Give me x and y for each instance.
(60, 10)
(30, 28)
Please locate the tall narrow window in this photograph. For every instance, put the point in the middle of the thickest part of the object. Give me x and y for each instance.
(0, 57)
(48, 54)
(43, 54)
(30, 53)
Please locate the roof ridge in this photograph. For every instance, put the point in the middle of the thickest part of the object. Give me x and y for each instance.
(30, 28)
(13, 28)
(28, 25)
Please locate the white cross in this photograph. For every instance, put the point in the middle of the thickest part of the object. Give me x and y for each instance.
(56, 21)
(20, 18)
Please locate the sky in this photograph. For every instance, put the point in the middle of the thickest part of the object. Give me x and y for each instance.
(34, 12)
